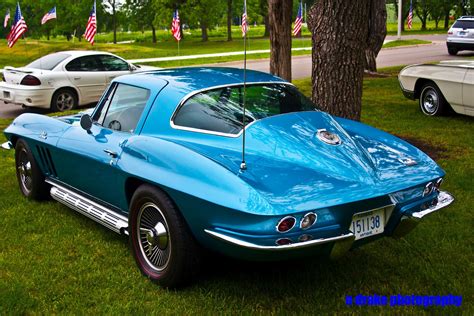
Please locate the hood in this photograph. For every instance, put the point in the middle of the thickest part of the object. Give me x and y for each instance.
(290, 165)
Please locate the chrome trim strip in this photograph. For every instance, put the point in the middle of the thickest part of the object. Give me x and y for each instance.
(110, 219)
(300, 245)
(7, 145)
(444, 199)
(193, 93)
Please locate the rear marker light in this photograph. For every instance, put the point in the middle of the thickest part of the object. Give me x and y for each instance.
(283, 241)
(428, 189)
(308, 220)
(30, 80)
(286, 224)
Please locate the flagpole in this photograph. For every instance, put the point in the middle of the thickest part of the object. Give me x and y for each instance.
(243, 165)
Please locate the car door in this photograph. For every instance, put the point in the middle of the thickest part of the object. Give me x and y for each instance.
(468, 92)
(87, 75)
(114, 67)
(89, 159)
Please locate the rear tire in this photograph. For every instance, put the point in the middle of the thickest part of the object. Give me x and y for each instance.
(64, 100)
(432, 101)
(161, 242)
(452, 51)
(30, 178)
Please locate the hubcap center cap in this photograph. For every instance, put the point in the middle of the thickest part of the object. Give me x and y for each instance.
(157, 236)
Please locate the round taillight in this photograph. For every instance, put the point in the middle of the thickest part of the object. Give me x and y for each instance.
(283, 241)
(428, 189)
(438, 183)
(308, 220)
(285, 224)
(30, 80)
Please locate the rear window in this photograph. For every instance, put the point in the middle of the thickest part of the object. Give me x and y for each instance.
(464, 24)
(48, 62)
(221, 110)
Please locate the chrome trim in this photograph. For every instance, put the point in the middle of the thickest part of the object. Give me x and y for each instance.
(110, 219)
(438, 183)
(444, 199)
(203, 131)
(281, 220)
(300, 245)
(429, 187)
(325, 136)
(307, 214)
(7, 145)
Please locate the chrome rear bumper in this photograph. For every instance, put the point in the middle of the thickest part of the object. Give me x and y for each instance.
(7, 145)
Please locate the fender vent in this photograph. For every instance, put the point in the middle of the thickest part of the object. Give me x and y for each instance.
(46, 161)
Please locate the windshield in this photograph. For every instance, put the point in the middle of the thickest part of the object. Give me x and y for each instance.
(221, 110)
(464, 24)
(48, 62)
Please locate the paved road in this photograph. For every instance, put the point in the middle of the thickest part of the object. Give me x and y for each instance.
(302, 64)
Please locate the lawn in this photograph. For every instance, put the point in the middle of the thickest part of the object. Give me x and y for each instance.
(54, 261)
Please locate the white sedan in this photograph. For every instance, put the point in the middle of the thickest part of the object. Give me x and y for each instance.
(62, 81)
(440, 86)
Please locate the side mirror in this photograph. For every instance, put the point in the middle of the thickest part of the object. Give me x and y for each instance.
(132, 67)
(86, 122)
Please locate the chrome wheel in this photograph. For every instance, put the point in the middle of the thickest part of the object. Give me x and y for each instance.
(153, 236)
(430, 101)
(64, 101)
(25, 172)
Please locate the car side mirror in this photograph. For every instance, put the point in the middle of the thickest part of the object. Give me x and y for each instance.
(86, 122)
(132, 67)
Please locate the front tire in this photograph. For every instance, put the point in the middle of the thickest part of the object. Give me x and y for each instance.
(30, 178)
(162, 245)
(432, 101)
(64, 100)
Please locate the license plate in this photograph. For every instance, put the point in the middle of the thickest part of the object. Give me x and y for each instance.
(368, 224)
(461, 33)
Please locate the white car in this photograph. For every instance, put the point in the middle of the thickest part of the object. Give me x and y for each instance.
(62, 81)
(440, 86)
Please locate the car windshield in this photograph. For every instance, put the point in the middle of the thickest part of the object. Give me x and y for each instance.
(221, 110)
(48, 62)
(464, 24)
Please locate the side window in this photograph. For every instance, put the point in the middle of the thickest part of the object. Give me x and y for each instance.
(123, 108)
(85, 63)
(111, 63)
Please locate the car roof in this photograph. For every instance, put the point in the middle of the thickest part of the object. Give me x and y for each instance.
(78, 53)
(190, 79)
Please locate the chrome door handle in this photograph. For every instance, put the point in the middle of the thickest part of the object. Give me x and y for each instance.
(111, 153)
(77, 78)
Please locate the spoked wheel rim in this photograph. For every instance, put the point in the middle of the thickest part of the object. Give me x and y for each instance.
(430, 101)
(64, 101)
(24, 171)
(153, 237)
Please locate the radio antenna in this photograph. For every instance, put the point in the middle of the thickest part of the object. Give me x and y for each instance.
(243, 165)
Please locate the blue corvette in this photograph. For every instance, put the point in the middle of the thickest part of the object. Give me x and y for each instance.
(160, 159)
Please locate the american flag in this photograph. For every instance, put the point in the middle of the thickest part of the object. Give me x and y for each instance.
(175, 28)
(245, 24)
(7, 18)
(410, 16)
(298, 21)
(18, 27)
(49, 16)
(91, 27)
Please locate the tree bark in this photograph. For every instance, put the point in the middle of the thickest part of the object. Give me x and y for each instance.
(340, 34)
(377, 33)
(114, 18)
(279, 13)
(229, 20)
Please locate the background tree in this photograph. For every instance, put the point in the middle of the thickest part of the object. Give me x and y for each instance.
(279, 13)
(142, 12)
(340, 31)
(204, 13)
(422, 9)
(114, 6)
(229, 20)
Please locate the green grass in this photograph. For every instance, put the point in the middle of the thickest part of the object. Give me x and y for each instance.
(54, 261)
(399, 43)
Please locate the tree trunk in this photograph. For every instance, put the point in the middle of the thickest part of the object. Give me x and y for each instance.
(114, 17)
(377, 33)
(204, 31)
(279, 12)
(153, 33)
(229, 20)
(340, 32)
(267, 27)
(446, 19)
